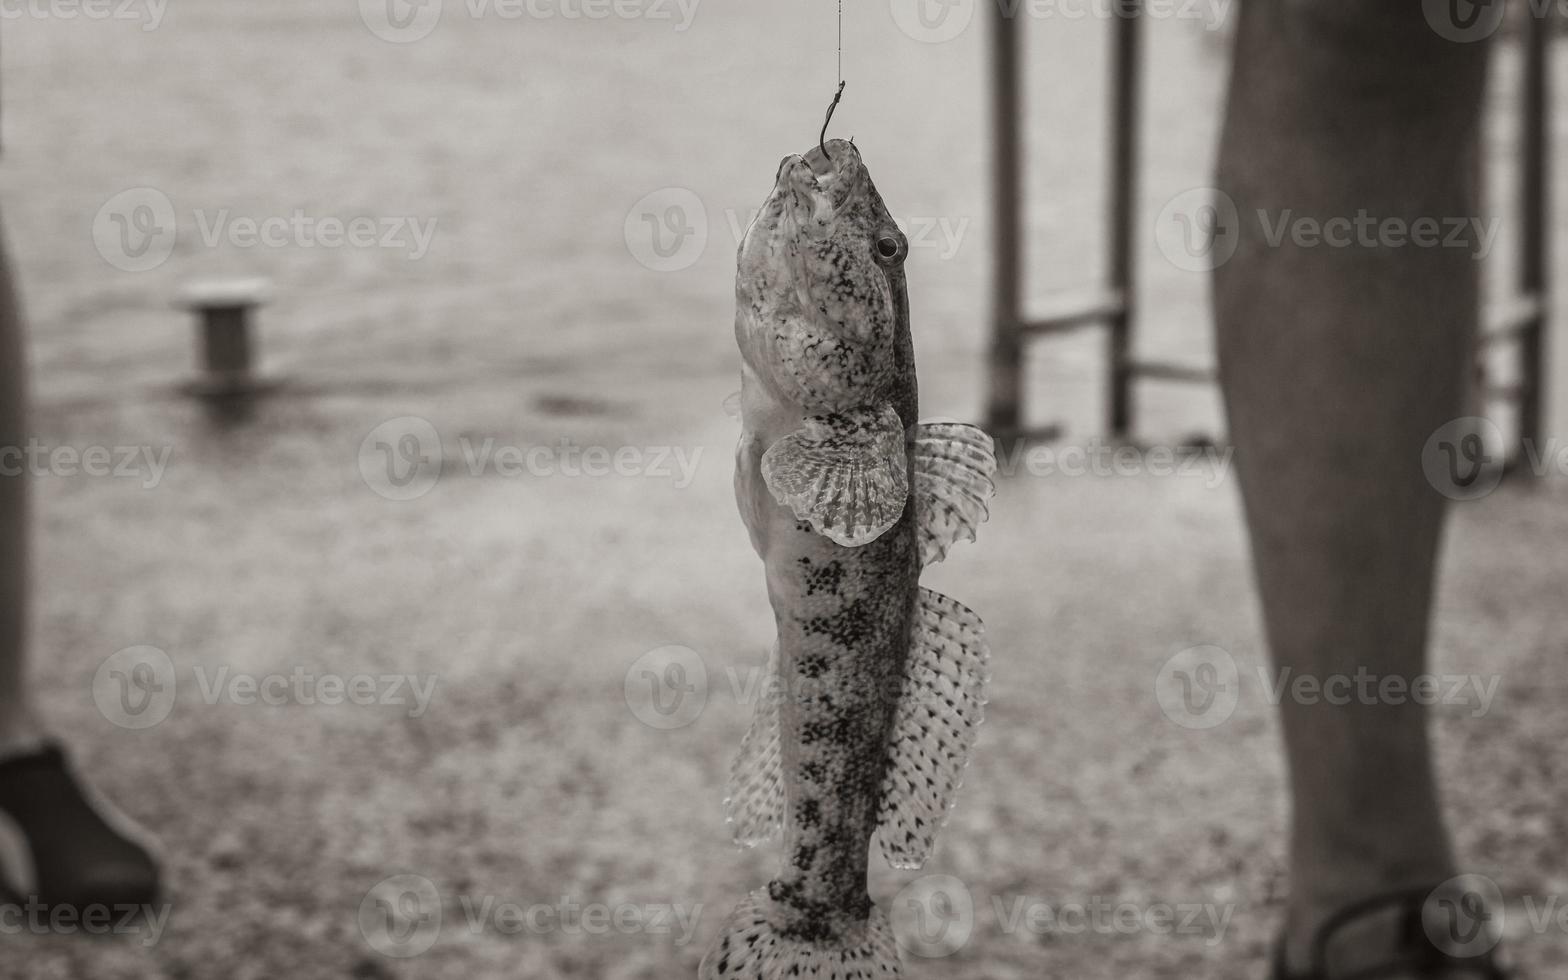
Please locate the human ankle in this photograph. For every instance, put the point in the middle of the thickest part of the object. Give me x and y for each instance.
(1323, 889)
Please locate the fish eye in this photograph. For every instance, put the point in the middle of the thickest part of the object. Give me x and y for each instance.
(890, 248)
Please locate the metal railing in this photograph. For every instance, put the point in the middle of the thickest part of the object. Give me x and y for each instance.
(1522, 320)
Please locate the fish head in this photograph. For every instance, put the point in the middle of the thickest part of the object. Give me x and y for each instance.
(820, 285)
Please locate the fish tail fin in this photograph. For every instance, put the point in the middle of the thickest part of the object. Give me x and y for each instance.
(751, 946)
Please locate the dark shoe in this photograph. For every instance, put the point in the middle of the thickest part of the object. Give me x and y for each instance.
(1416, 953)
(82, 853)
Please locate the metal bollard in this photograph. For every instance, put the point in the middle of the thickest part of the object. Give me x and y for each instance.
(223, 309)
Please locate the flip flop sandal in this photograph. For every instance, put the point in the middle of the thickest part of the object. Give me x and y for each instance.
(1417, 954)
(78, 850)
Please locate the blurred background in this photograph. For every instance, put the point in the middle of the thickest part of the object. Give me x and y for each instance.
(493, 478)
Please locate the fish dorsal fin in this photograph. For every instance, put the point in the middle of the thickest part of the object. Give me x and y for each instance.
(755, 804)
(846, 474)
(954, 466)
(937, 719)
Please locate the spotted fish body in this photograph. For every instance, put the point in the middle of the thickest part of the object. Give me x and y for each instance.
(876, 682)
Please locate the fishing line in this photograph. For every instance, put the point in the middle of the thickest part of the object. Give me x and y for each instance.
(822, 140)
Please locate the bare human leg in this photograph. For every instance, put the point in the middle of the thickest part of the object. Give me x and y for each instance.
(70, 849)
(1338, 363)
(19, 727)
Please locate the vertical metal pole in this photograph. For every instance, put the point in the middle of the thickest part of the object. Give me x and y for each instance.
(1007, 366)
(1534, 203)
(1126, 87)
(225, 343)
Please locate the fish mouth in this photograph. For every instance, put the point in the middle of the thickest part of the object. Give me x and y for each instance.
(828, 172)
(800, 173)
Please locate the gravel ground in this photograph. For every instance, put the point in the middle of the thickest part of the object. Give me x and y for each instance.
(528, 603)
(532, 778)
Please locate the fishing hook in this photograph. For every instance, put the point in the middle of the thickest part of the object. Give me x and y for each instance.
(822, 141)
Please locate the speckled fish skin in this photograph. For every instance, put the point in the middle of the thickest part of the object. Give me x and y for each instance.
(823, 326)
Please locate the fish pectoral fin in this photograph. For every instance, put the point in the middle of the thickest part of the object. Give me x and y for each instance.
(846, 474)
(954, 466)
(938, 716)
(755, 804)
